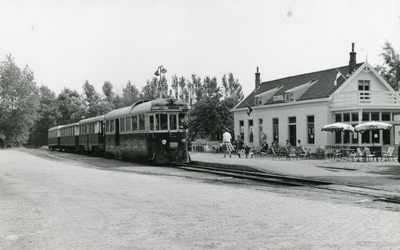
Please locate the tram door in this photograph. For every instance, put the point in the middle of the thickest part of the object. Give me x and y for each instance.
(116, 132)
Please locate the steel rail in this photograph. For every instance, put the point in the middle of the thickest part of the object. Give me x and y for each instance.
(376, 194)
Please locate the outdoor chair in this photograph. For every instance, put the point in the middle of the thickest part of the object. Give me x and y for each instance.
(328, 152)
(336, 154)
(388, 153)
(207, 149)
(360, 152)
(368, 154)
(306, 153)
(291, 153)
(275, 154)
(354, 155)
(258, 152)
(320, 152)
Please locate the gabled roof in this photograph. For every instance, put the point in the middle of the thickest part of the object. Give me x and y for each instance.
(323, 86)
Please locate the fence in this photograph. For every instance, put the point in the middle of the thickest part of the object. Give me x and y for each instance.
(203, 146)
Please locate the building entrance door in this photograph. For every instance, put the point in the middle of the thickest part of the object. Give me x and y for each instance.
(292, 135)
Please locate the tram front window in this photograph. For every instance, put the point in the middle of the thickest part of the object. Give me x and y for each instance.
(172, 122)
(182, 122)
(162, 120)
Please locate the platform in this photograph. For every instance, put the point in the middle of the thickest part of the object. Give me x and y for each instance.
(333, 168)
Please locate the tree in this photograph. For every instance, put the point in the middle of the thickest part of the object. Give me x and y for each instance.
(108, 91)
(151, 90)
(71, 107)
(48, 116)
(232, 90)
(91, 100)
(130, 94)
(389, 67)
(210, 86)
(19, 102)
(208, 118)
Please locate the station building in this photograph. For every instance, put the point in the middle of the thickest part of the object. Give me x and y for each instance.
(297, 107)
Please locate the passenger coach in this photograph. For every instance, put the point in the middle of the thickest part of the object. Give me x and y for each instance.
(54, 138)
(153, 130)
(69, 137)
(91, 137)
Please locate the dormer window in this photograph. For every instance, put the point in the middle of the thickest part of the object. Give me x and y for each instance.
(289, 97)
(263, 97)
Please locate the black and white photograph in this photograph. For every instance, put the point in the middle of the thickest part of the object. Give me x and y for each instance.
(224, 124)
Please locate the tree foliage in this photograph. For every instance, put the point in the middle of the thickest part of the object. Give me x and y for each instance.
(155, 88)
(48, 116)
(389, 67)
(71, 107)
(19, 102)
(130, 94)
(91, 100)
(208, 118)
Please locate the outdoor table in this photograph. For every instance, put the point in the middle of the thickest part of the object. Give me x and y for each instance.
(377, 154)
(346, 151)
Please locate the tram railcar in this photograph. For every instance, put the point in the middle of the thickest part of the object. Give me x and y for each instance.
(154, 130)
(54, 138)
(69, 137)
(91, 136)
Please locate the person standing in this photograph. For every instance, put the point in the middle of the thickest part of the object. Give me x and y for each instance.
(239, 145)
(226, 140)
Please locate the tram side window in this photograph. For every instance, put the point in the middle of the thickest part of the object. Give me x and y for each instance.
(151, 122)
(107, 126)
(141, 122)
(162, 120)
(122, 124)
(112, 126)
(134, 123)
(128, 124)
(172, 122)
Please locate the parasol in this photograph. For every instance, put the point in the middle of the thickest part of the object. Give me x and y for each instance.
(338, 127)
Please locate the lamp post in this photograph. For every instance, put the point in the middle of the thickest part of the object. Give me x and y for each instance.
(160, 70)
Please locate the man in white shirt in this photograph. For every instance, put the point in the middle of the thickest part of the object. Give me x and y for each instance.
(227, 145)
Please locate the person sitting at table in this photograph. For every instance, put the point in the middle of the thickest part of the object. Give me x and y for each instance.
(275, 146)
(264, 147)
(288, 145)
(299, 148)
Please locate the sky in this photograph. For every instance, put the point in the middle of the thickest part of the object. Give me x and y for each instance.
(68, 42)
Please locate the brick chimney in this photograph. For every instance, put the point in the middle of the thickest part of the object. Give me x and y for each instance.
(352, 62)
(258, 81)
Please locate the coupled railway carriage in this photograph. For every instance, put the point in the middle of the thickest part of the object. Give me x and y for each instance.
(54, 138)
(154, 130)
(91, 136)
(69, 137)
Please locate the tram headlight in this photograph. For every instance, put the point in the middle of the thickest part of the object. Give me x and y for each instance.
(164, 142)
(183, 141)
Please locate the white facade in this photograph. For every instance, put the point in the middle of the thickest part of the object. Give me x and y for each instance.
(360, 97)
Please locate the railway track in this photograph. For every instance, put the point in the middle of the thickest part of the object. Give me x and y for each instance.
(374, 194)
